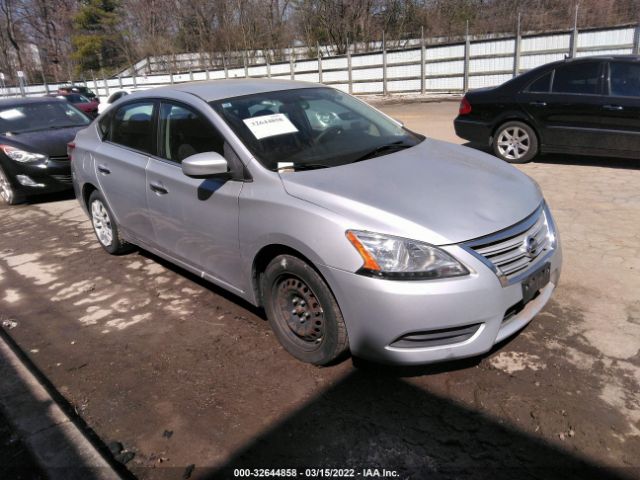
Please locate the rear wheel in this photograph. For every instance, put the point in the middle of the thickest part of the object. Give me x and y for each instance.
(302, 311)
(515, 142)
(7, 193)
(105, 226)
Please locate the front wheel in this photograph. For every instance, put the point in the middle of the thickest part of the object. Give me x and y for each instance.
(515, 142)
(7, 193)
(105, 226)
(302, 311)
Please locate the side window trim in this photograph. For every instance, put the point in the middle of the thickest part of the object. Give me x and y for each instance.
(154, 121)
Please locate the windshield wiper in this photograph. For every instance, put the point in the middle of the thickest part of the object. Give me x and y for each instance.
(57, 127)
(399, 145)
(40, 129)
(302, 166)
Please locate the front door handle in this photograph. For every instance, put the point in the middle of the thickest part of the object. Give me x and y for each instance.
(613, 108)
(104, 170)
(158, 188)
(538, 104)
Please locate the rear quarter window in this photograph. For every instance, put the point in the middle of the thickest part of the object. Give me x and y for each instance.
(541, 84)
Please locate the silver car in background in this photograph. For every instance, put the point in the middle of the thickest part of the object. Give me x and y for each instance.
(354, 233)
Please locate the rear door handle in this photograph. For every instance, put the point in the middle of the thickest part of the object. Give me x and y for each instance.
(615, 108)
(103, 169)
(158, 188)
(538, 104)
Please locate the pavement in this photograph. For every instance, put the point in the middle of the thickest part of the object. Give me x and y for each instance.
(191, 381)
(44, 439)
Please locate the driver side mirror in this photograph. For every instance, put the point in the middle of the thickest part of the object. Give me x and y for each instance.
(204, 164)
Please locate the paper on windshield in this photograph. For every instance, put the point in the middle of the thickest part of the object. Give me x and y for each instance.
(270, 125)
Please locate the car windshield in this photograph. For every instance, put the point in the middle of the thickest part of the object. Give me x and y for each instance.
(31, 117)
(311, 128)
(76, 98)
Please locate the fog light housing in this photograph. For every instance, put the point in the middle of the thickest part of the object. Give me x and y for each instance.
(28, 181)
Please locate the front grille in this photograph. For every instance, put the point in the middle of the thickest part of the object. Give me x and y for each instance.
(519, 248)
(59, 158)
(436, 338)
(63, 179)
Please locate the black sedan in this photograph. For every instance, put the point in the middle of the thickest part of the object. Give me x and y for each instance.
(585, 106)
(33, 146)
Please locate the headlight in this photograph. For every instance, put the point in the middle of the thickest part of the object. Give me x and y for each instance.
(552, 233)
(401, 258)
(21, 156)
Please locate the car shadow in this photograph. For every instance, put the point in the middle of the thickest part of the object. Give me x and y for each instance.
(51, 197)
(227, 295)
(359, 363)
(372, 420)
(562, 159)
(29, 413)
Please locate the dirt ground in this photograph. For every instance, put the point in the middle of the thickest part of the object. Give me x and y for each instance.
(190, 378)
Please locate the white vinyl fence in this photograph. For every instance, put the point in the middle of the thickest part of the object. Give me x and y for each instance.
(450, 68)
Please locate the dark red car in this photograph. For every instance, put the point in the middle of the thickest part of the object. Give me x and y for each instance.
(80, 102)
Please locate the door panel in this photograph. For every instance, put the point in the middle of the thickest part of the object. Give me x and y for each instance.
(195, 220)
(568, 117)
(620, 114)
(121, 162)
(121, 174)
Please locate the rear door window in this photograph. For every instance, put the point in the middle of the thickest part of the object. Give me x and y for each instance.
(625, 79)
(132, 126)
(579, 78)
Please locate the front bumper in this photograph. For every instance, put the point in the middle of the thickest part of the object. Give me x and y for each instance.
(50, 176)
(378, 312)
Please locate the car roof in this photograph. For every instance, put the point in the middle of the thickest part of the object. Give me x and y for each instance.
(525, 77)
(603, 57)
(211, 90)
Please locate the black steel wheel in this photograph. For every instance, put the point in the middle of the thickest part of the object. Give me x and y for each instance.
(302, 311)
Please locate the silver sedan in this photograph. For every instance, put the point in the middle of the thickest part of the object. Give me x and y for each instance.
(354, 233)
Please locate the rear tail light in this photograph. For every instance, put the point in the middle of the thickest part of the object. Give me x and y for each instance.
(465, 106)
(70, 148)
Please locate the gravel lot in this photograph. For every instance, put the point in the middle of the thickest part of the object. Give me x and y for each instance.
(182, 373)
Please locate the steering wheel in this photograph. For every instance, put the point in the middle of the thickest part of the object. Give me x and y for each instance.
(329, 133)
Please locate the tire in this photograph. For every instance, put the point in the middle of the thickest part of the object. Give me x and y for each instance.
(302, 311)
(104, 226)
(8, 193)
(515, 142)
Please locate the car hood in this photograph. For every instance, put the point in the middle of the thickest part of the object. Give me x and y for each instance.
(52, 143)
(436, 192)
